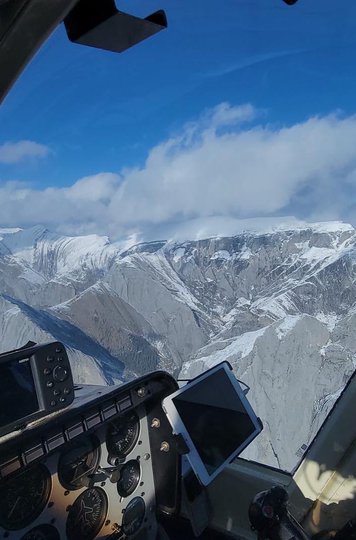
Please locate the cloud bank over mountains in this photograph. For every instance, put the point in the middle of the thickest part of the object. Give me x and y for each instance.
(227, 166)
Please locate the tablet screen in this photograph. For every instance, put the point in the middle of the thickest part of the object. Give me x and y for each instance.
(215, 418)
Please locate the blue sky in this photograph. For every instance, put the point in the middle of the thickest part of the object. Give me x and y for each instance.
(184, 115)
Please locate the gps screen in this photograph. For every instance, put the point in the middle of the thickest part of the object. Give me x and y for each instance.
(18, 396)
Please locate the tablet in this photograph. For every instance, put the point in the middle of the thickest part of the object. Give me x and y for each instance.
(215, 419)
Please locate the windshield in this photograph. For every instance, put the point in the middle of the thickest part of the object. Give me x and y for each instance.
(189, 201)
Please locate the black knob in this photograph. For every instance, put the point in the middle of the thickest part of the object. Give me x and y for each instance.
(60, 373)
(113, 460)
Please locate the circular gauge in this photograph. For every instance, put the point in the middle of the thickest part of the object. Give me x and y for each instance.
(42, 532)
(129, 478)
(133, 516)
(87, 515)
(123, 434)
(24, 497)
(77, 462)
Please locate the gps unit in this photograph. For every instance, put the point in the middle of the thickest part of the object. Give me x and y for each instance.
(34, 381)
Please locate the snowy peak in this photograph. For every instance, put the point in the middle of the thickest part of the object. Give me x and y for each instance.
(52, 255)
(264, 274)
(21, 241)
(261, 270)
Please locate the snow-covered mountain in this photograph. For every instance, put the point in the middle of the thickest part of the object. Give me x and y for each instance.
(279, 305)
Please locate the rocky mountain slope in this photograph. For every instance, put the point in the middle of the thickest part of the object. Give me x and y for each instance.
(279, 305)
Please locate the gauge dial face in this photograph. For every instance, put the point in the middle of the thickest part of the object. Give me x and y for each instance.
(133, 516)
(24, 497)
(123, 434)
(42, 532)
(87, 515)
(129, 478)
(77, 462)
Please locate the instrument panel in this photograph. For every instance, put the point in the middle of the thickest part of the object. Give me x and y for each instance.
(100, 484)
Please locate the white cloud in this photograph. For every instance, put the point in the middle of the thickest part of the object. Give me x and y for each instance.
(98, 188)
(226, 115)
(218, 170)
(199, 228)
(13, 152)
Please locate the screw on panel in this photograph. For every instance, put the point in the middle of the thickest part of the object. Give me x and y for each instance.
(141, 392)
(156, 423)
(164, 446)
(146, 456)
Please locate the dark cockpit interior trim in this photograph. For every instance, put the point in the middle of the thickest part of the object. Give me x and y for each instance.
(26, 24)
